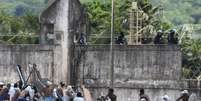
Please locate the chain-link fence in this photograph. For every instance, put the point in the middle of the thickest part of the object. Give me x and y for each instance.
(19, 39)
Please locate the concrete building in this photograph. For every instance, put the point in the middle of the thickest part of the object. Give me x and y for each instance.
(61, 21)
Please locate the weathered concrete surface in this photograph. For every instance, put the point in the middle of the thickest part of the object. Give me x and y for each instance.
(128, 94)
(11, 55)
(155, 68)
(130, 62)
(93, 68)
(60, 22)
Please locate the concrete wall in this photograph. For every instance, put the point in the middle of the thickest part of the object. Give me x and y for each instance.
(130, 62)
(42, 56)
(155, 68)
(67, 18)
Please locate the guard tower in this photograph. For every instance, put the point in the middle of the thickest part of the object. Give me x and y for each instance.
(135, 37)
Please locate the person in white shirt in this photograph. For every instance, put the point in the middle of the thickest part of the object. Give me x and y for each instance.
(30, 91)
(78, 97)
(11, 91)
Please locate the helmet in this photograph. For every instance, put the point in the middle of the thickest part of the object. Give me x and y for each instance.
(173, 30)
(160, 31)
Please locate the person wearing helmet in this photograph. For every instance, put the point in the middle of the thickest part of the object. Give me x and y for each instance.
(158, 38)
(172, 37)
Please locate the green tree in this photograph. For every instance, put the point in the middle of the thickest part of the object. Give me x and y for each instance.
(99, 15)
(191, 50)
(19, 30)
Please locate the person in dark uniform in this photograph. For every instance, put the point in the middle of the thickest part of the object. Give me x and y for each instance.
(111, 95)
(172, 37)
(121, 40)
(82, 39)
(158, 38)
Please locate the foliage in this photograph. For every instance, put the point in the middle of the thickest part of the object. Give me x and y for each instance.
(15, 7)
(19, 21)
(179, 11)
(19, 30)
(99, 15)
(176, 12)
(191, 50)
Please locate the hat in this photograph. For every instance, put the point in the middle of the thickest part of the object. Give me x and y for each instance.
(184, 92)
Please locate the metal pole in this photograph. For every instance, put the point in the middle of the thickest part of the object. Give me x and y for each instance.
(137, 35)
(111, 45)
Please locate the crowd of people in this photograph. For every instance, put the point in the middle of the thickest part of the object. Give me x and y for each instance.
(185, 96)
(62, 92)
(51, 92)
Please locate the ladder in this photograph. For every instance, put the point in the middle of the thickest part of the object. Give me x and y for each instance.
(135, 35)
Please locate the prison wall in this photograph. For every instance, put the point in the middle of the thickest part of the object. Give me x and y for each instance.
(157, 68)
(43, 56)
